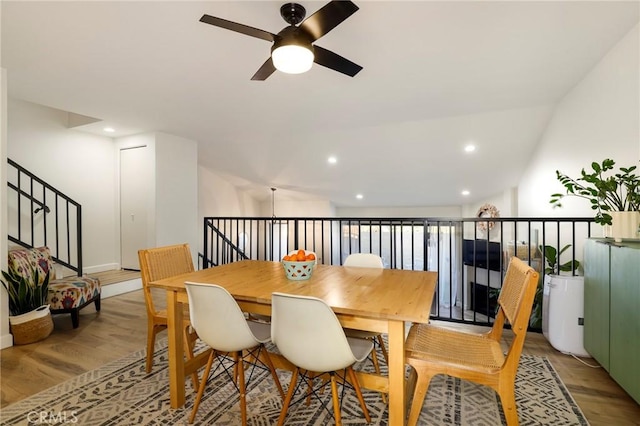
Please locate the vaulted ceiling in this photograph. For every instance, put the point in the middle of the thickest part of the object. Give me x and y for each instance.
(437, 76)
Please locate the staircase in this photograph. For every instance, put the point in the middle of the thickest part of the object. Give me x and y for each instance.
(41, 215)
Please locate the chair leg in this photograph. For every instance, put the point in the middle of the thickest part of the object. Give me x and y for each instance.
(376, 367)
(336, 401)
(152, 330)
(383, 348)
(203, 383)
(75, 317)
(289, 397)
(236, 367)
(422, 385)
(243, 390)
(508, 400)
(188, 347)
(409, 388)
(310, 377)
(272, 369)
(356, 387)
(325, 380)
(96, 302)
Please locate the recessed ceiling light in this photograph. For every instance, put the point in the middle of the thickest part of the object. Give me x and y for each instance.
(109, 129)
(332, 160)
(469, 148)
(465, 193)
(359, 196)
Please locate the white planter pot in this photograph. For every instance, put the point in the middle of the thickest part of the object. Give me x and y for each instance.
(563, 313)
(625, 225)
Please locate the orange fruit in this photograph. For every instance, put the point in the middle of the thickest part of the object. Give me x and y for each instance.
(311, 256)
(287, 258)
(301, 256)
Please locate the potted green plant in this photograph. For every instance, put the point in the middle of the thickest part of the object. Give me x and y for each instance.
(552, 260)
(30, 318)
(614, 194)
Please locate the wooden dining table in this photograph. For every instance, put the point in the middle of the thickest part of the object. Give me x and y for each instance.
(379, 300)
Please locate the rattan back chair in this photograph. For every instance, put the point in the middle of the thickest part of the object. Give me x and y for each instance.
(155, 264)
(479, 358)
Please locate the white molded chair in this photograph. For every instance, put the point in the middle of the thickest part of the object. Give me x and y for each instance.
(364, 260)
(219, 322)
(309, 335)
(368, 260)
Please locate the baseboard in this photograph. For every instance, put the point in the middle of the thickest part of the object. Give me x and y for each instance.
(120, 288)
(6, 341)
(101, 268)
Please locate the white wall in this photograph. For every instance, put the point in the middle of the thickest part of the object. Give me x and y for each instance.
(598, 119)
(506, 202)
(79, 164)
(176, 190)
(6, 339)
(297, 208)
(172, 181)
(218, 197)
(408, 212)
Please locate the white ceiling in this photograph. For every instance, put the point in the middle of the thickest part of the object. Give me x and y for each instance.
(437, 75)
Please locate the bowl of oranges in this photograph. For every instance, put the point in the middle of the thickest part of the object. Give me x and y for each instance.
(298, 265)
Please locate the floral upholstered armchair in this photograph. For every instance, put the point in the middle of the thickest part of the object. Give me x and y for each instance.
(66, 294)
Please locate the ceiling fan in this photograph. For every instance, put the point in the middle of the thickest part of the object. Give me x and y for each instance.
(292, 51)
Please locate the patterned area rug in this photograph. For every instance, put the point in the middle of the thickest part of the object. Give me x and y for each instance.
(121, 393)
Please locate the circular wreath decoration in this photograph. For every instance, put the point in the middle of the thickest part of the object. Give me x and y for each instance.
(487, 210)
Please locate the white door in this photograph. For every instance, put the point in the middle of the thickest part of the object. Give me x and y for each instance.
(134, 196)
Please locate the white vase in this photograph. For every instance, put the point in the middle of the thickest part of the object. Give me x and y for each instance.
(625, 225)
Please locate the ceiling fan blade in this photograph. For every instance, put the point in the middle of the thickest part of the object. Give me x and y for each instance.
(327, 18)
(328, 59)
(265, 70)
(239, 28)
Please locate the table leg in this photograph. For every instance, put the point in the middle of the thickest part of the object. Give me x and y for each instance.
(176, 350)
(396, 374)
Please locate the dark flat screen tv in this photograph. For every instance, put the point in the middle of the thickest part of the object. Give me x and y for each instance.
(482, 254)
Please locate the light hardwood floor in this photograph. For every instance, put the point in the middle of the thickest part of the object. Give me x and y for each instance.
(120, 328)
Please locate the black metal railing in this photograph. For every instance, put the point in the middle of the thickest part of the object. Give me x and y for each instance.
(41, 215)
(469, 254)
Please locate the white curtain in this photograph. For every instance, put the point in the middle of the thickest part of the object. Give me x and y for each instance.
(444, 257)
(279, 239)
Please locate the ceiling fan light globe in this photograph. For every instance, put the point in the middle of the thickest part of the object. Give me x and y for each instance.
(292, 59)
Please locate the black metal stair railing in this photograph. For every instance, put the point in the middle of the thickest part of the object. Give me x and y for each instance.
(469, 254)
(41, 215)
(227, 250)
